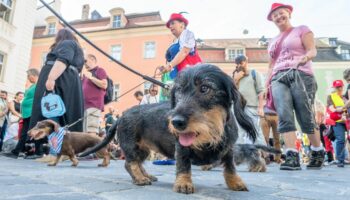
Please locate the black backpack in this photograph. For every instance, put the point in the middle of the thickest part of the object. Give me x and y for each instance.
(109, 91)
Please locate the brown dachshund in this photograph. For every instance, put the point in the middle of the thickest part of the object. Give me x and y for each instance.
(73, 142)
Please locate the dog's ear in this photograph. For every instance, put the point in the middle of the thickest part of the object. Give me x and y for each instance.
(243, 101)
(231, 90)
(54, 124)
(238, 106)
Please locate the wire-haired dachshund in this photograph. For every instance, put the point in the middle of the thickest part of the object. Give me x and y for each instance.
(197, 127)
(73, 142)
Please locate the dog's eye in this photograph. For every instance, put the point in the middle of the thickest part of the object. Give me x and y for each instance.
(204, 89)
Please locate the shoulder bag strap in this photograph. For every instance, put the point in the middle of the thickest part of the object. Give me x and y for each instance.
(279, 45)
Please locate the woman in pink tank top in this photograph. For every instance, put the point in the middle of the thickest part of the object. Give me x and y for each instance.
(293, 85)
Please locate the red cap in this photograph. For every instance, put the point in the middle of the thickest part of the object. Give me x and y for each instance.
(276, 6)
(176, 16)
(338, 83)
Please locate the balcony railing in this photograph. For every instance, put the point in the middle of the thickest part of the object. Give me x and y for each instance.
(7, 31)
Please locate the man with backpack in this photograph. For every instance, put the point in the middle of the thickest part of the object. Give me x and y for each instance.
(95, 84)
(252, 89)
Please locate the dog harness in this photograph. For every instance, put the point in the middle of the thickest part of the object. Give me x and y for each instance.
(56, 141)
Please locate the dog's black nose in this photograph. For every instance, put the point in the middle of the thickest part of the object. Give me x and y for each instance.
(179, 122)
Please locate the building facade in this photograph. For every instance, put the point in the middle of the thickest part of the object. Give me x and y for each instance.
(141, 40)
(137, 40)
(333, 57)
(16, 32)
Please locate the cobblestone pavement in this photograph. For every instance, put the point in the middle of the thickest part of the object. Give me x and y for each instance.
(25, 179)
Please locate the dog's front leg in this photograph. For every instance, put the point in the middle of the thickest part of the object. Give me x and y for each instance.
(233, 181)
(183, 182)
(54, 163)
(74, 160)
(106, 158)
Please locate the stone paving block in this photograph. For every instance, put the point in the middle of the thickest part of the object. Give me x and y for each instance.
(18, 180)
(72, 196)
(100, 187)
(30, 189)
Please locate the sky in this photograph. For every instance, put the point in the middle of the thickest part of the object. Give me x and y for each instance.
(210, 19)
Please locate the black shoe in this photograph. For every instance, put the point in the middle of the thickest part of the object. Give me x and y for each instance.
(22, 155)
(32, 157)
(316, 160)
(10, 155)
(330, 156)
(340, 164)
(292, 161)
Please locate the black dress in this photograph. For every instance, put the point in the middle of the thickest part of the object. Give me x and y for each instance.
(68, 85)
(17, 106)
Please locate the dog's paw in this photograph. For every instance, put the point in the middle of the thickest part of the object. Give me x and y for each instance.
(239, 187)
(102, 165)
(278, 161)
(184, 187)
(74, 165)
(207, 167)
(51, 164)
(257, 169)
(143, 181)
(152, 178)
(235, 183)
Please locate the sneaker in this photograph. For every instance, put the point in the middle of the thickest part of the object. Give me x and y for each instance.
(340, 164)
(21, 155)
(33, 157)
(316, 160)
(292, 161)
(10, 155)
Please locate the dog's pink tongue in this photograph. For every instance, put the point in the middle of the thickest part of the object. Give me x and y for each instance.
(187, 139)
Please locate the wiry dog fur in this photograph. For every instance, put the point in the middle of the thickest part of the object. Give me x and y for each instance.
(250, 154)
(200, 128)
(73, 142)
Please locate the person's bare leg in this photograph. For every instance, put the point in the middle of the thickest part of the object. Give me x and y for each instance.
(289, 139)
(315, 139)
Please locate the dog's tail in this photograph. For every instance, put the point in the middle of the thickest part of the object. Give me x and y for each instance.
(111, 133)
(242, 118)
(268, 149)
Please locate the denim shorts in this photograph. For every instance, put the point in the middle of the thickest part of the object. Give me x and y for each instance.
(291, 95)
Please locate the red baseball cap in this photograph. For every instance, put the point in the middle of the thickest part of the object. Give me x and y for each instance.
(177, 16)
(338, 83)
(276, 6)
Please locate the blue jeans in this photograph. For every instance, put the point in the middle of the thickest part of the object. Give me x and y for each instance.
(339, 132)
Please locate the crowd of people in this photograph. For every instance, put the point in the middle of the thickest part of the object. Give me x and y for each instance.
(288, 93)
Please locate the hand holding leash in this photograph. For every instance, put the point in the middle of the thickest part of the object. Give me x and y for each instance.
(303, 61)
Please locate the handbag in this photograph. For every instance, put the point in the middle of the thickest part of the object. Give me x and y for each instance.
(269, 98)
(52, 106)
(334, 115)
(347, 124)
(13, 118)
